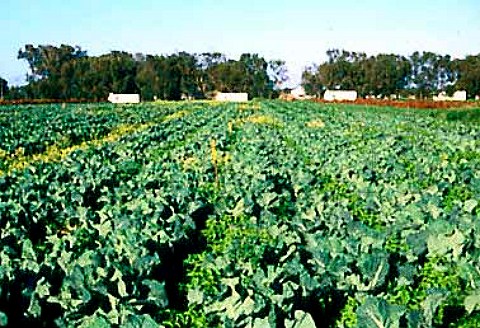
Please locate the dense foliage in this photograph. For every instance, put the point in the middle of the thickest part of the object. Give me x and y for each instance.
(421, 74)
(239, 215)
(3, 88)
(67, 72)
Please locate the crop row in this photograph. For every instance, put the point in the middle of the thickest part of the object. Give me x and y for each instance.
(261, 214)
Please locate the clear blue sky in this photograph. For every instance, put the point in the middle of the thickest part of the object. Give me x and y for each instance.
(297, 31)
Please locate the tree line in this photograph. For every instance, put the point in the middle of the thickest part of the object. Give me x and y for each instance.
(421, 74)
(68, 72)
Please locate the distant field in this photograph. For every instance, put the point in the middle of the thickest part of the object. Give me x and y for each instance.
(414, 104)
(263, 214)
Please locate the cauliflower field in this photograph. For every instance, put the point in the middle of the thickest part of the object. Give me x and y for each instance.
(263, 214)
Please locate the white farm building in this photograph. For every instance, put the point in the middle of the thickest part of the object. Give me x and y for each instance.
(460, 95)
(233, 97)
(119, 98)
(340, 95)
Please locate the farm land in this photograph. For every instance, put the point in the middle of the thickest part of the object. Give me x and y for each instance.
(260, 214)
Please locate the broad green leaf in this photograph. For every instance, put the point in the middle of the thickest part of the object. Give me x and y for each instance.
(261, 323)
(157, 292)
(301, 320)
(122, 288)
(377, 313)
(195, 296)
(94, 321)
(431, 304)
(472, 302)
(140, 321)
(470, 205)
